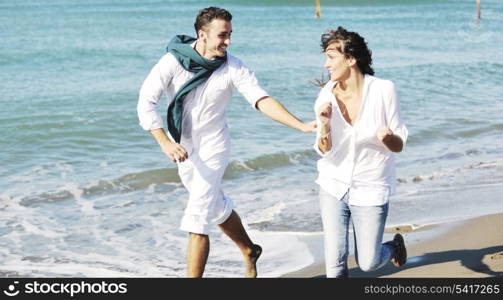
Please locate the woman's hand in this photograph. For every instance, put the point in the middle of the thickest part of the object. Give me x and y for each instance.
(324, 113)
(393, 142)
(383, 134)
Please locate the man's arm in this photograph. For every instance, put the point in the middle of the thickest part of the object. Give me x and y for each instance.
(150, 93)
(173, 150)
(277, 112)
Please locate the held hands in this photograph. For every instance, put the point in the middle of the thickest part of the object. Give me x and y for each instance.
(175, 152)
(308, 127)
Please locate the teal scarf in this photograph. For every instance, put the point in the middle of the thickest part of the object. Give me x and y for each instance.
(191, 61)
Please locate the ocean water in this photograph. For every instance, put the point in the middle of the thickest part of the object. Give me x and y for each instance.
(84, 191)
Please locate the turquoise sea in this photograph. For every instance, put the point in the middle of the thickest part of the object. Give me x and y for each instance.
(84, 191)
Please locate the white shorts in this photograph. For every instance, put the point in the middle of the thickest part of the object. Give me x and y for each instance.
(207, 204)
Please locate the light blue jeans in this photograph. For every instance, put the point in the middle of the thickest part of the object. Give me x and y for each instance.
(368, 227)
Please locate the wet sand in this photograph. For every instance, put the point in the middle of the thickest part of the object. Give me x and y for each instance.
(470, 248)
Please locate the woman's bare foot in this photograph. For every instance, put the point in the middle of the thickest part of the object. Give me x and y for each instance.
(251, 262)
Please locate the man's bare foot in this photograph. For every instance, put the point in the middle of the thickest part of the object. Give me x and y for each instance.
(251, 262)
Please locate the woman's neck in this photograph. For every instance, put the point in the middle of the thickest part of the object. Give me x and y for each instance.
(353, 83)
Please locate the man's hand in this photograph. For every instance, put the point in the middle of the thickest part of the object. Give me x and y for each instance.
(277, 112)
(309, 127)
(174, 151)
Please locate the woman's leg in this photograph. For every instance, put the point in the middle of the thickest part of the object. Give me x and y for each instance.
(368, 226)
(335, 216)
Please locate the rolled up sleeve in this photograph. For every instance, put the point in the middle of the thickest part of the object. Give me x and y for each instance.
(393, 115)
(247, 84)
(151, 91)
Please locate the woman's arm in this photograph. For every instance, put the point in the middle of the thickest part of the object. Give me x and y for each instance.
(324, 138)
(394, 136)
(392, 141)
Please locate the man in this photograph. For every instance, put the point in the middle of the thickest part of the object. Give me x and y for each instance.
(198, 76)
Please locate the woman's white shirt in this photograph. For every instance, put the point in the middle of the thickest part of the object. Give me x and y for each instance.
(358, 162)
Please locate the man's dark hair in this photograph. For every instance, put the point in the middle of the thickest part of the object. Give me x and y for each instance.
(206, 15)
(351, 44)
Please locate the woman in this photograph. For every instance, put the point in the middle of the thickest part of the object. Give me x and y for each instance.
(359, 128)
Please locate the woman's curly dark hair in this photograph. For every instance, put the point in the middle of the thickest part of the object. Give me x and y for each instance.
(351, 44)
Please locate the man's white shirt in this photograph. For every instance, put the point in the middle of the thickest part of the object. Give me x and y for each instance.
(204, 123)
(205, 134)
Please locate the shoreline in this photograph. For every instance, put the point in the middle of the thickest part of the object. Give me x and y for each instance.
(471, 248)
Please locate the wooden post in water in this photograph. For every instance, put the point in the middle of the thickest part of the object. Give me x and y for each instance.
(478, 9)
(318, 9)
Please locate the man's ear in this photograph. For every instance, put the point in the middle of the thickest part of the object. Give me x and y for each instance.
(201, 34)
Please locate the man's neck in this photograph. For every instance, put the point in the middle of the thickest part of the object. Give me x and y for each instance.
(200, 48)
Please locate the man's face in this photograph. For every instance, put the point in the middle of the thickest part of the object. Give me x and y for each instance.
(217, 36)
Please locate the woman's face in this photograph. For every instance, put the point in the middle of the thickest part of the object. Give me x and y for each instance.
(336, 63)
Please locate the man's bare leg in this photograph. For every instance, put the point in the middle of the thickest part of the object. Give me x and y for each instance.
(197, 254)
(234, 229)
